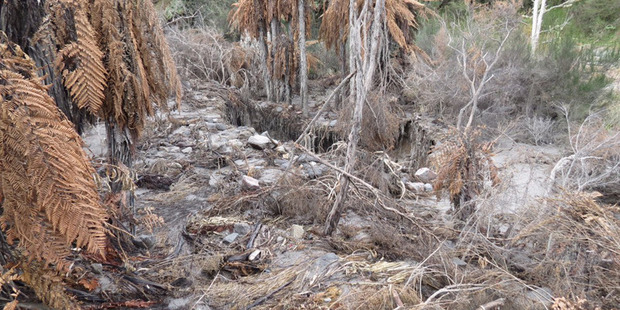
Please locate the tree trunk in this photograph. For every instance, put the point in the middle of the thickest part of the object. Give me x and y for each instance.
(343, 68)
(537, 19)
(363, 84)
(303, 65)
(275, 45)
(20, 20)
(264, 51)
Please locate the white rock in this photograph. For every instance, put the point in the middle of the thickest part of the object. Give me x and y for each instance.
(416, 187)
(249, 183)
(425, 175)
(428, 187)
(297, 231)
(260, 142)
(187, 150)
(254, 255)
(231, 238)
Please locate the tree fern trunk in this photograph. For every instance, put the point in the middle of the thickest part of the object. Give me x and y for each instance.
(20, 20)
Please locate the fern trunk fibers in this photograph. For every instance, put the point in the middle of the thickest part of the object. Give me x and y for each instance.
(303, 65)
(120, 152)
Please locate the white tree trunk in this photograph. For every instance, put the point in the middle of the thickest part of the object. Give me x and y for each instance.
(365, 64)
(303, 65)
(537, 19)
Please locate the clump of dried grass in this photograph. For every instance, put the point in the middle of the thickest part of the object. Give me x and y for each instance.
(573, 248)
(380, 124)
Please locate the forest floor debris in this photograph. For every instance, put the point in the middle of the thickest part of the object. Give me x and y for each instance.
(229, 243)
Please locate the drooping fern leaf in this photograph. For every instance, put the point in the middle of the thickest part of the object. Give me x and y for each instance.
(114, 59)
(50, 198)
(80, 60)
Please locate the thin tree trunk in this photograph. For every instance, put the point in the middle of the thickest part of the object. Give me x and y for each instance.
(262, 45)
(275, 45)
(363, 85)
(339, 97)
(537, 19)
(303, 65)
(264, 51)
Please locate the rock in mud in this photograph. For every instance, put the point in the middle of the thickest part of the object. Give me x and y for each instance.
(297, 232)
(313, 170)
(270, 176)
(242, 228)
(416, 187)
(305, 158)
(97, 268)
(321, 264)
(249, 183)
(425, 175)
(231, 238)
(144, 241)
(428, 187)
(179, 303)
(260, 142)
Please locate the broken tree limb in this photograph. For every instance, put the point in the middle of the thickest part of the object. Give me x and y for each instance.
(264, 298)
(365, 65)
(325, 104)
(253, 237)
(375, 191)
(492, 304)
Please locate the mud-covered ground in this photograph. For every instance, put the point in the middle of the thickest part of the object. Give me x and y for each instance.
(242, 214)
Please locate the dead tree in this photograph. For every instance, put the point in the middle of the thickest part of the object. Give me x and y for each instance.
(364, 62)
(303, 61)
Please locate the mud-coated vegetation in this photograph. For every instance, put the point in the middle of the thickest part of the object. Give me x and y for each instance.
(271, 154)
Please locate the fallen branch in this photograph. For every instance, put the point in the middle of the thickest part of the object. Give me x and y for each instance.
(492, 304)
(316, 116)
(264, 298)
(397, 300)
(378, 194)
(253, 237)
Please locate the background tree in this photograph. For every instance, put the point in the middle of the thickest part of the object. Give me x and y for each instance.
(539, 8)
(276, 25)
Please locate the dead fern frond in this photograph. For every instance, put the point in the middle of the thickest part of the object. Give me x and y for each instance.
(464, 164)
(80, 60)
(50, 198)
(113, 57)
(401, 18)
(48, 285)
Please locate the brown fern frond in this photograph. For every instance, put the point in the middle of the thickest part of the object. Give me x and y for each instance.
(48, 285)
(162, 74)
(50, 198)
(463, 163)
(401, 17)
(80, 60)
(113, 56)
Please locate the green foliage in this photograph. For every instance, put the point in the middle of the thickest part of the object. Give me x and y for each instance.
(191, 13)
(567, 68)
(587, 21)
(598, 19)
